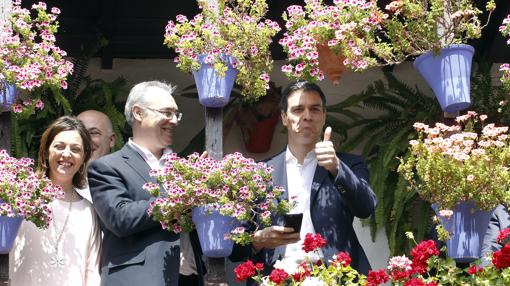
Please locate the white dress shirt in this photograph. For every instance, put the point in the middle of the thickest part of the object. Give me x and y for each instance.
(299, 187)
(188, 265)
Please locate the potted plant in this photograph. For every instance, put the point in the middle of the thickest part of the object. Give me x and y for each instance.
(307, 273)
(438, 30)
(463, 168)
(233, 190)
(505, 68)
(23, 195)
(226, 41)
(258, 120)
(29, 58)
(329, 39)
(426, 266)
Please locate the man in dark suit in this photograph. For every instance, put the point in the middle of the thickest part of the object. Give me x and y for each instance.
(136, 250)
(500, 219)
(329, 188)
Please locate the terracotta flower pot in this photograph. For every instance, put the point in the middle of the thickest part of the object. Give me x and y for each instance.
(260, 137)
(331, 64)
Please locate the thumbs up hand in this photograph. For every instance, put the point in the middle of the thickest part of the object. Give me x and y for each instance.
(326, 155)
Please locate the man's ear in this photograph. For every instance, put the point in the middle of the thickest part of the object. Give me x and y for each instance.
(284, 118)
(137, 112)
(112, 140)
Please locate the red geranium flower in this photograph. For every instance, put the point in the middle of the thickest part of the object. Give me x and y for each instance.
(473, 269)
(344, 258)
(302, 272)
(376, 278)
(421, 253)
(247, 270)
(504, 236)
(501, 258)
(277, 276)
(398, 275)
(313, 242)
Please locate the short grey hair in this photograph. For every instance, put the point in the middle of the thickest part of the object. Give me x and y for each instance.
(137, 96)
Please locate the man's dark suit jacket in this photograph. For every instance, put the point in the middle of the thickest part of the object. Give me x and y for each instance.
(334, 202)
(500, 219)
(136, 250)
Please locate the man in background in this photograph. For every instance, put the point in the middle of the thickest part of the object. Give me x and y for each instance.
(101, 132)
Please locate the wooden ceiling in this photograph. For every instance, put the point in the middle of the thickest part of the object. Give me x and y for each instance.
(134, 29)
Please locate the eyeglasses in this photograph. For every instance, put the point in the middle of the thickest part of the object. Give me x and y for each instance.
(169, 114)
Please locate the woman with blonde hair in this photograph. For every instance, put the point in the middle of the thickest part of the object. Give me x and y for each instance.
(67, 252)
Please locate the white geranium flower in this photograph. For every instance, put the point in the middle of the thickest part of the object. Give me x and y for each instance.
(313, 281)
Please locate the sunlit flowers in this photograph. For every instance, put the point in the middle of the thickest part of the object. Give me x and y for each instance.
(505, 68)
(232, 28)
(337, 271)
(235, 186)
(418, 26)
(465, 162)
(348, 28)
(29, 57)
(23, 193)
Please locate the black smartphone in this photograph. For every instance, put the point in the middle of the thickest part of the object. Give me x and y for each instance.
(293, 220)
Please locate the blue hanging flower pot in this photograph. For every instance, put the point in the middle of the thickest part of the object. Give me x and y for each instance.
(214, 90)
(449, 75)
(211, 229)
(467, 225)
(9, 227)
(8, 96)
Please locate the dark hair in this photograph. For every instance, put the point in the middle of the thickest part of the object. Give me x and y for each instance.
(65, 123)
(297, 86)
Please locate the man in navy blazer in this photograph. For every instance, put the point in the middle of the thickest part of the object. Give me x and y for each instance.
(136, 250)
(329, 188)
(500, 220)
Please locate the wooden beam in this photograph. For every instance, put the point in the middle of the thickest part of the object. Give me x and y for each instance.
(216, 275)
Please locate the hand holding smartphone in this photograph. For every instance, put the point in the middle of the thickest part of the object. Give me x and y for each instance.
(293, 220)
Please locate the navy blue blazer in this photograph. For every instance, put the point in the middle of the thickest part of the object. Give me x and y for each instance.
(334, 202)
(500, 219)
(136, 250)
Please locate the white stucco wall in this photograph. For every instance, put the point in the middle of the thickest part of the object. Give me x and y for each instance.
(352, 83)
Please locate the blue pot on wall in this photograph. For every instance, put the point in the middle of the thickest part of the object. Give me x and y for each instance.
(211, 229)
(214, 90)
(449, 75)
(468, 226)
(7, 97)
(9, 227)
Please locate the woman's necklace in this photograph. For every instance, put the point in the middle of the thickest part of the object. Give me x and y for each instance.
(57, 260)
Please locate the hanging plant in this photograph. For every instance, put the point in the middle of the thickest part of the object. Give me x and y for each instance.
(232, 33)
(29, 58)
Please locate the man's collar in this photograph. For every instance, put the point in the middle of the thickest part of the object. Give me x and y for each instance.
(144, 151)
(290, 158)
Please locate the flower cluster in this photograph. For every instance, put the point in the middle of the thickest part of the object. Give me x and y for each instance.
(428, 268)
(236, 186)
(233, 28)
(417, 26)
(425, 267)
(313, 242)
(23, 193)
(465, 162)
(505, 68)
(307, 273)
(348, 28)
(29, 57)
